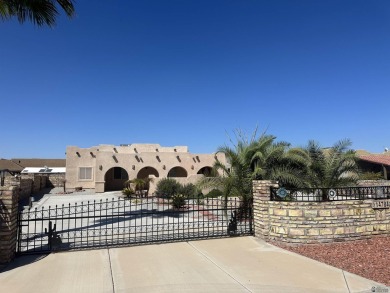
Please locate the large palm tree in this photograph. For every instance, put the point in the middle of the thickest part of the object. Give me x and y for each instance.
(256, 158)
(39, 12)
(332, 167)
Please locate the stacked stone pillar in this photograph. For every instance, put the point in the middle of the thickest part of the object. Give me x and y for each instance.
(261, 197)
(9, 197)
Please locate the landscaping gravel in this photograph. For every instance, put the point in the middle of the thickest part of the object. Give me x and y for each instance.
(367, 258)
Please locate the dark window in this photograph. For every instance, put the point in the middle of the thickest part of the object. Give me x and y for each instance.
(120, 173)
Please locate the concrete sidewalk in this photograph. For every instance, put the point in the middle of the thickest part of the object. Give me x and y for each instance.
(242, 264)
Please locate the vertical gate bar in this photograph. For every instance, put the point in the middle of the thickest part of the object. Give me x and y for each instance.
(112, 221)
(94, 220)
(87, 224)
(75, 225)
(68, 224)
(201, 221)
(146, 218)
(28, 229)
(151, 215)
(117, 222)
(82, 220)
(156, 207)
(48, 230)
(167, 212)
(124, 221)
(105, 221)
(55, 218)
(62, 217)
(188, 217)
(99, 227)
(35, 229)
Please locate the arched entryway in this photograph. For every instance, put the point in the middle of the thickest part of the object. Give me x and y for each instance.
(115, 179)
(146, 171)
(206, 171)
(177, 172)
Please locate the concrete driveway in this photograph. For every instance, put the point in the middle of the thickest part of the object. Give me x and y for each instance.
(241, 264)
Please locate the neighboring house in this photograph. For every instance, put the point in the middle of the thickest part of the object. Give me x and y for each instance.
(376, 163)
(53, 169)
(40, 163)
(8, 168)
(45, 170)
(108, 167)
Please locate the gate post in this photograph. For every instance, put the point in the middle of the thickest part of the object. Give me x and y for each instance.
(9, 197)
(261, 198)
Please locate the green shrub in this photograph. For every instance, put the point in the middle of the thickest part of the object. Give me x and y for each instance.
(178, 201)
(168, 187)
(371, 176)
(128, 191)
(214, 193)
(189, 190)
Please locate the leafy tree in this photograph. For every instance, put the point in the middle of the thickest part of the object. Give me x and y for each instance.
(332, 167)
(39, 12)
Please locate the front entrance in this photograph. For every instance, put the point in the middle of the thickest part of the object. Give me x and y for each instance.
(115, 179)
(130, 221)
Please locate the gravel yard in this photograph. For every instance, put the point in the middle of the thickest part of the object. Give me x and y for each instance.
(366, 258)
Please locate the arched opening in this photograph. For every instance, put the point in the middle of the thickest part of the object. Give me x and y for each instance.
(146, 171)
(115, 179)
(177, 172)
(206, 171)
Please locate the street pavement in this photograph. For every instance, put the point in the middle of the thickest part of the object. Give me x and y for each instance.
(237, 264)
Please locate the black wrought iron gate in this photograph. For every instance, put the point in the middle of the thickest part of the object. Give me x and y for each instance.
(130, 221)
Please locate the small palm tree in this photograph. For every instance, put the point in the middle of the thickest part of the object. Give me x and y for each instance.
(140, 184)
(39, 12)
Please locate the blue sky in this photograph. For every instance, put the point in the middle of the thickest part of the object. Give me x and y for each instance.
(184, 72)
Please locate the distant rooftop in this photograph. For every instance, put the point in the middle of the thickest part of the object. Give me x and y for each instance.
(39, 162)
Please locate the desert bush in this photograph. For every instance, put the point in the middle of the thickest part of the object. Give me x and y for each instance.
(189, 190)
(168, 187)
(371, 176)
(127, 191)
(178, 201)
(214, 193)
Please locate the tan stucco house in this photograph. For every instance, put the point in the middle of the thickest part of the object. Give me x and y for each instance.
(107, 167)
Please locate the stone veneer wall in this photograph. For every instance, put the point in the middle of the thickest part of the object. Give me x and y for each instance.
(373, 183)
(55, 180)
(313, 222)
(9, 197)
(25, 188)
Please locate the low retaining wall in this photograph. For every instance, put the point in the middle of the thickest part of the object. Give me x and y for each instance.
(313, 222)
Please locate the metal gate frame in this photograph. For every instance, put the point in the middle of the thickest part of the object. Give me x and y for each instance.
(120, 222)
